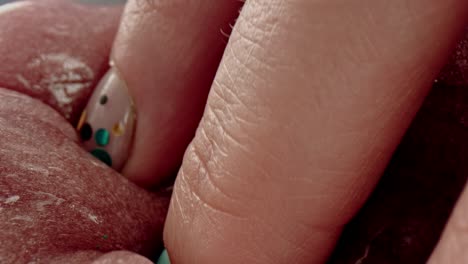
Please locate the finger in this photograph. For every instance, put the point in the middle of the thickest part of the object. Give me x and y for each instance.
(164, 60)
(308, 105)
(454, 241)
(56, 199)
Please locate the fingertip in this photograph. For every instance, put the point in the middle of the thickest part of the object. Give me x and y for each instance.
(168, 64)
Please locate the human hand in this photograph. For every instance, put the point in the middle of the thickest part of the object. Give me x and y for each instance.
(307, 106)
(303, 115)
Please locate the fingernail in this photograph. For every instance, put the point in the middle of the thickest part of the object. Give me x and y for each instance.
(164, 258)
(107, 124)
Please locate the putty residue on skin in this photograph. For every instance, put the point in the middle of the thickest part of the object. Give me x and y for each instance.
(62, 75)
(12, 199)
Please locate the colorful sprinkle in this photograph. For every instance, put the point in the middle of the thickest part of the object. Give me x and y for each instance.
(82, 120)
(118, 129)
(102, 155)
(86, 132)
(103, 100)
(102, 137)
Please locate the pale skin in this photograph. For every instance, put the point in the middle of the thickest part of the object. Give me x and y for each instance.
(300, 113)
(307, 106)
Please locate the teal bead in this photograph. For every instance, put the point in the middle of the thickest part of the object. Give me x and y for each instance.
(102, 137)
(164, 258)
(103, 156)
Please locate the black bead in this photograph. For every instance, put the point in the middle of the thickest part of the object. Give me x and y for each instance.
(86, 132)
(103, 100)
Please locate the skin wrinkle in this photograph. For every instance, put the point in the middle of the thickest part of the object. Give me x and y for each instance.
(217, 147)
(246, 65)
(220, 88)
(203, 169)
(262, 68)
(215, 118)
(187, 211)
(217, 123)
(247, 141)
(242, 72)
(226, 86)
(206, 179)
(273, 23)
(259, 29)
(251, 45)
(224, 89)
(203, 202)
(218, 116)
(230, 78)
(216, 222)
(256, 114)
(225, 135)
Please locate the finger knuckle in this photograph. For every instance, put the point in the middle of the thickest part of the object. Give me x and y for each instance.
(204, 178)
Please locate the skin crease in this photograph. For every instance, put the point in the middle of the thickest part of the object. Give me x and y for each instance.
(57, 202)
(274, 173)
(12, 201)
